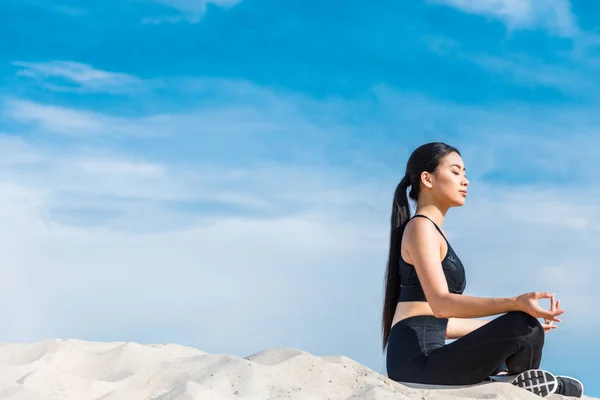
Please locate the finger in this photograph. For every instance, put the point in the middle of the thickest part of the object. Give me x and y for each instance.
(543, 295)
(552, 307)
(558, 307)
(548, 327)
(550, 316)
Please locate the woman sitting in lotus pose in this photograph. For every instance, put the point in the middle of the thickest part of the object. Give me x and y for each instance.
(424, 304)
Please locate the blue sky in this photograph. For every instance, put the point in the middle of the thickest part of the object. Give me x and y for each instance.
(220, 173)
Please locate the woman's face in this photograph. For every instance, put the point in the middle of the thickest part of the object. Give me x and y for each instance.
(449, 182)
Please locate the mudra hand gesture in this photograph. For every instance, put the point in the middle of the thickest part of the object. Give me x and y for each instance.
(548, 324)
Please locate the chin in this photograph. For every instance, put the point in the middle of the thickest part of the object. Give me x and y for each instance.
(459, 203)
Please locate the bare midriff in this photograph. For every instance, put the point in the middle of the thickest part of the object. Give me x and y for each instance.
(411, 309)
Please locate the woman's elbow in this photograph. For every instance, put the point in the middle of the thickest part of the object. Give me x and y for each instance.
(440, 309)
(440, 313)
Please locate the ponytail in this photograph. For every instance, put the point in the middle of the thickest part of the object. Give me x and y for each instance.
(426, 157)
(400, 216)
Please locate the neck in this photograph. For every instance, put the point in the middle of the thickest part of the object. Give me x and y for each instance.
(435, 213)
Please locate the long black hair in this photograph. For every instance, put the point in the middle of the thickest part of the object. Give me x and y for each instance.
(424, 158)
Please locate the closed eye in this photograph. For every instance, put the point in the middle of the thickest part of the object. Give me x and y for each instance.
(456, 173)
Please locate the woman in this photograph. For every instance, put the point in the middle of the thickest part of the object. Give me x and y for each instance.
(424, 304)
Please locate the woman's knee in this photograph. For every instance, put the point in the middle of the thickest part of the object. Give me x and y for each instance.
(526, 325)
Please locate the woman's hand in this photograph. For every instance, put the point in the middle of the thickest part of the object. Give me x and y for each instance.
(528, 302)
(548, 325)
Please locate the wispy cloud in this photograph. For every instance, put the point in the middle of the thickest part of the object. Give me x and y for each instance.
(68, 10)
(75, 122)
(74, 76)
(189, 10)
(552, 15)
(572, 77)
(121, 168)
(53, 118)
(524, 70)
(56, 7)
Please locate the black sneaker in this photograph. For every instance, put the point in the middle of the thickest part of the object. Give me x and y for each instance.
(568, 386)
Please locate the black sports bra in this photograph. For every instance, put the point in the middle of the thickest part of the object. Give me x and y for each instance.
(410, 287)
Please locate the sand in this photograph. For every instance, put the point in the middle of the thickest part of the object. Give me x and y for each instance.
(82, 370)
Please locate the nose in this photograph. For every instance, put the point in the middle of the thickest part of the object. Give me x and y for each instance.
(465, 182)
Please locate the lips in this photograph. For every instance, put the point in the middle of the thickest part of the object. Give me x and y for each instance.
(464, 192)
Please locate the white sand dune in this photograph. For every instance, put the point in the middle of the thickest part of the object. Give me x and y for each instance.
(80, 370)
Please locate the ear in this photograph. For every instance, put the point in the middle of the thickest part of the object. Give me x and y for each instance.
(426, 179)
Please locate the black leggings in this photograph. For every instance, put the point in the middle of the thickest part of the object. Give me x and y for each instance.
(417, 351)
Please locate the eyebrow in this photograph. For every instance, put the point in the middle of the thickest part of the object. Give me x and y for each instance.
(456, 165)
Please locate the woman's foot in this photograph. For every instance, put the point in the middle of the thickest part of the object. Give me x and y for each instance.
(568, 386)
(537, 381)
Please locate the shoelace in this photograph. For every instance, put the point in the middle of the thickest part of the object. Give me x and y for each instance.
(560, 388)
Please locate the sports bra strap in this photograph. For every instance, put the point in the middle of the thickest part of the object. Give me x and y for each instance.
(434, 224)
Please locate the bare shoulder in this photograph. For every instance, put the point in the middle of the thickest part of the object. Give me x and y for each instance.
(421, 242)
(420, 231)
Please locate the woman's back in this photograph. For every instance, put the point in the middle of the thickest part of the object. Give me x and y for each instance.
(412, 301)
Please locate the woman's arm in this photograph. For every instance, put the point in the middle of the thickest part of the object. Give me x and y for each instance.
(423, 243)
(459, 327)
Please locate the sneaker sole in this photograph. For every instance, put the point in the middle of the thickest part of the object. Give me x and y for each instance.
(537, 381)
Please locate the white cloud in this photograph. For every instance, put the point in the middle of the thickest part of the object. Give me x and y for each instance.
(190, 10)
(573, 77)
(553, 15)
(53, 118)
(74, 76)
(66, 9)
(56, 7)
(527, 71)
(74, 122)
(121, 167)
(147, 262)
